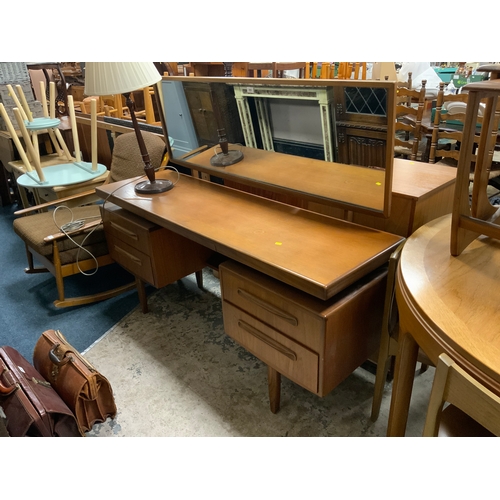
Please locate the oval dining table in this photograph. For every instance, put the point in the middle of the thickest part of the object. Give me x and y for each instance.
(446, 304)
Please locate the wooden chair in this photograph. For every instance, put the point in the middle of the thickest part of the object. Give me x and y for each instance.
(408, 84)
(474, 411)
(447, 132)
(86, 249)
(262, 69)
(447, 127)
(409, 121)
(476, 216)
(389, 336)
(348, 70)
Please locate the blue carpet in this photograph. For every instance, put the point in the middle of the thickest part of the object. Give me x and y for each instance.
(27, 309)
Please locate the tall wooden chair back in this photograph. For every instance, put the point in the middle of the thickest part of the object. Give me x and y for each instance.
(408, 84)
(474, 411)
(410, 106)
(475, 217)
(348, 70)
(447, 127)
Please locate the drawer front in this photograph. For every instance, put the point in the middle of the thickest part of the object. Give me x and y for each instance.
(274, 309)
(294, 361)
(134, 261)
(127, 230)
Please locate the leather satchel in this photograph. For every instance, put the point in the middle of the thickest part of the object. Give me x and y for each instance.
(31, 405)
(86, 392)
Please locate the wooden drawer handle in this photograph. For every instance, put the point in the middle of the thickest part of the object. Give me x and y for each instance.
(268, 307)
(133, 258)
(123, 230)
(268, 340)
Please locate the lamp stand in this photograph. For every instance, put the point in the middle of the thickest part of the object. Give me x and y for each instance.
(152, 185)
(228, 156)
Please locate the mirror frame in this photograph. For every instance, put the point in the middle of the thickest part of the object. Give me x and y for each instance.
(389, 124)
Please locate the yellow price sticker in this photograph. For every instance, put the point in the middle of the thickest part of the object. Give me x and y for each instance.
(278, 243)
(378, 183)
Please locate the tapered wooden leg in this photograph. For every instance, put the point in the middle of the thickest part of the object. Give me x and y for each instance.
(141, 290)
(404, 373)
(199, 279)
(274, 385)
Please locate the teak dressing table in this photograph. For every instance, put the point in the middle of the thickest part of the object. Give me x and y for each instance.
(303, 287)
(293, 294)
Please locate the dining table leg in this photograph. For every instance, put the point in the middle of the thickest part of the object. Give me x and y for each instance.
(404, 373)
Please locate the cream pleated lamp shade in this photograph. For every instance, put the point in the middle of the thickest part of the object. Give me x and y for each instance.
(108, 78)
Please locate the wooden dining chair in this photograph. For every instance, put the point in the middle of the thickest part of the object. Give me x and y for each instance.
(389, 336)
(348, 70)
(475, 215)
(447, 127)
(408, 83)
(410, 105)
(447, 131)
(473, 410)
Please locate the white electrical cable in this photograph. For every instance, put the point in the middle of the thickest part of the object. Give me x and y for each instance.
(74, 225)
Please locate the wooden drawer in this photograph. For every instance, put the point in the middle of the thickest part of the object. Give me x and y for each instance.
(134, 261)
(288, 357)
(297, 315)
(342, 331)
(128, 227)
(151, 252)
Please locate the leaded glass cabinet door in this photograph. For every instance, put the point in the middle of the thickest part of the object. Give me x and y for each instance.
(361, 125)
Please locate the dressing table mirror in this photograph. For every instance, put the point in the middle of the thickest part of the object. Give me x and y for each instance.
(325, 141)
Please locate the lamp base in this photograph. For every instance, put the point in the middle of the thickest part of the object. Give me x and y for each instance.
(224, 160)
(158, 186)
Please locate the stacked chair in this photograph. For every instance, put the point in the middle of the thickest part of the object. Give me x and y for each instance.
(410, 105)
(447, 131)
(68, 252)
(473, 410)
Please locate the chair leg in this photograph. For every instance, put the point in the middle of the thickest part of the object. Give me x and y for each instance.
(31, 269)
(58, 274)
(378, 391)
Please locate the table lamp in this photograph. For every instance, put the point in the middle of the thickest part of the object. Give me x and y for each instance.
(111, 78)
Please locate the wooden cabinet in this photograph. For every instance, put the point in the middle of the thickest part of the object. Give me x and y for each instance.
(152, 253)
(359, 146)
(421, 192)
(180, 124)
(314, 343)
(201, 99)
(361, 125)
